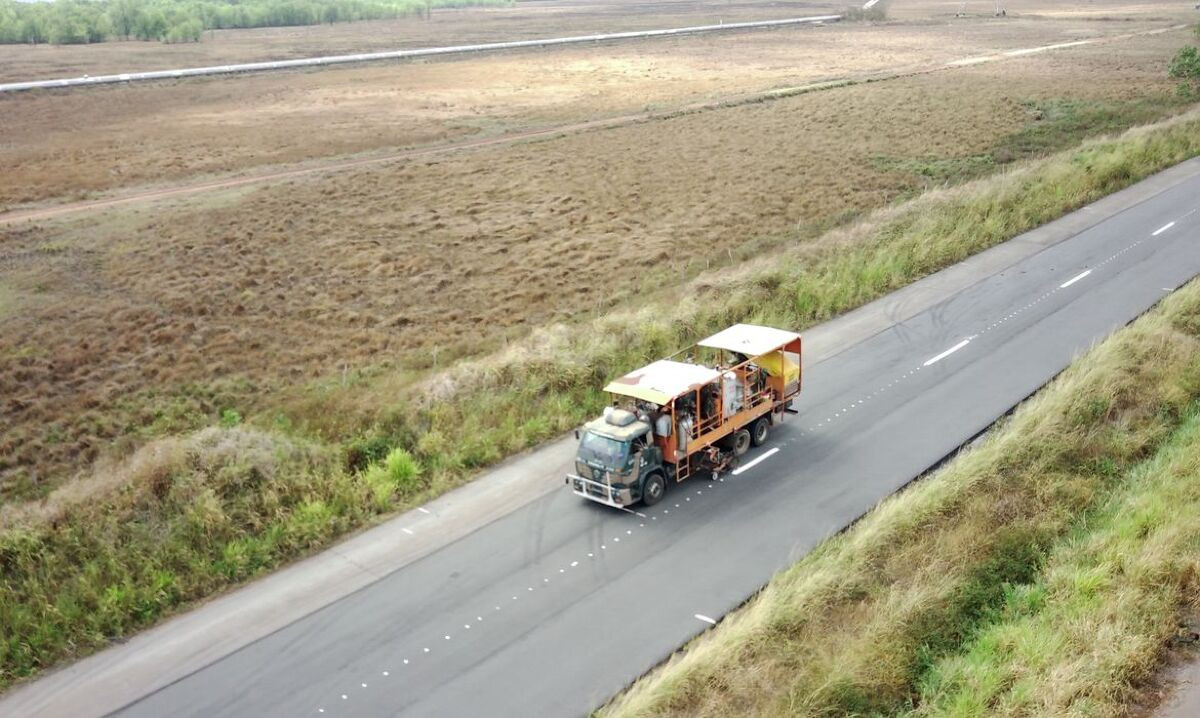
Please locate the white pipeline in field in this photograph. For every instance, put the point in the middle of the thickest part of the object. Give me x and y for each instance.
(402, 54)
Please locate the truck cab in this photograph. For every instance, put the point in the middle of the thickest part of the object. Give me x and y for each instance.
(617, 461)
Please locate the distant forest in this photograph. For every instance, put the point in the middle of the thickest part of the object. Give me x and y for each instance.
(68, 22)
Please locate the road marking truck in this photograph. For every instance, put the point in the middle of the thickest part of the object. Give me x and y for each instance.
(695, 412)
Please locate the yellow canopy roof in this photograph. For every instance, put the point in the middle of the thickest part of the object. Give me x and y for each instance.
(749, 339)
(662, 381)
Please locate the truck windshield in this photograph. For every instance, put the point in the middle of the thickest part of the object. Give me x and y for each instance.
(603, 450)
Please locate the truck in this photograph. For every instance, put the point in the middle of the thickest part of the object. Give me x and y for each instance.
(694, 413)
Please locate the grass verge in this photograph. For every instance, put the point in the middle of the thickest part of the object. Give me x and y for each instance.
(1094, 624)
(187, 518)
(1036, 574)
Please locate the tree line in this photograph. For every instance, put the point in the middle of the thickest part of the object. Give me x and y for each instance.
(65, 22)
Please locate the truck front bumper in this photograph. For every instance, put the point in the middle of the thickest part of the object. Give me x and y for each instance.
(600, 492)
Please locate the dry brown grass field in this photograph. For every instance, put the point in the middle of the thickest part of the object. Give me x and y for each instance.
(65, 145)
(522, 21)
(149, 319)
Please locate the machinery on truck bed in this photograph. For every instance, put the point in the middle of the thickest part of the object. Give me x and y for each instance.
(697, 414)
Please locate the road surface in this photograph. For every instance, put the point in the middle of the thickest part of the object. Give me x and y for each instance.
(558, 603)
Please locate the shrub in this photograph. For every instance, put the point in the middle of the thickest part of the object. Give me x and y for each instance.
(858, 13)
(402, 469)
(186, 31)
(1186, 68)
(367, 449)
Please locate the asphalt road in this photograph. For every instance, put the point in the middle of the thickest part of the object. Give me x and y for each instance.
(554, 607)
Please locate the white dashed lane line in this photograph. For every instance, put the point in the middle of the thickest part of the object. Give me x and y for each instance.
(1074, 279)
(1162, 229)
(948, 352)
(752, 464)
(1012, 315)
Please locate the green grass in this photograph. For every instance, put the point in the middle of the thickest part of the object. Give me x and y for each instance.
(1053, 125)
(187, 517)
(1094, 623)
(1056, 124)
(995, 585)
(940, 170)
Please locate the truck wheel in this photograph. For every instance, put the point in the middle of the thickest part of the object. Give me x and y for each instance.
(741, 442)
(760, 431)
(653, 488)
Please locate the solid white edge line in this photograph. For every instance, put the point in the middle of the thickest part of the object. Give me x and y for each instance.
(1162, 229)
(754, 463)
(706, 619)
(947, 353)
(1074, 279)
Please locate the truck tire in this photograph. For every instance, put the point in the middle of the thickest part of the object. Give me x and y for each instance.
(759, 432)
(653, 488)
(741, 442)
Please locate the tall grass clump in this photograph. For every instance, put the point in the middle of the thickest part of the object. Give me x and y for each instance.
(897, 610)
(397, 475)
